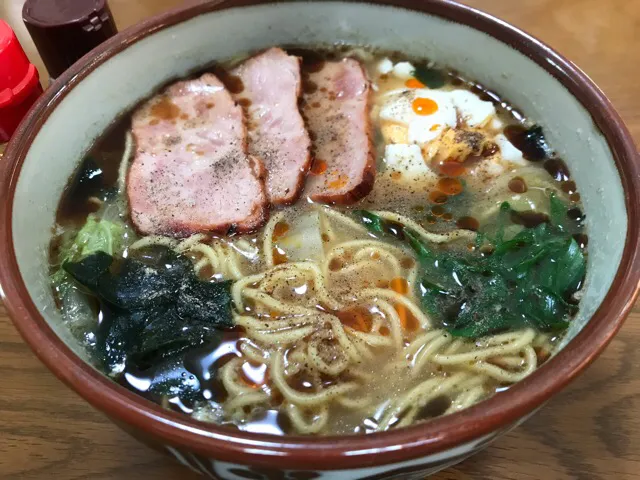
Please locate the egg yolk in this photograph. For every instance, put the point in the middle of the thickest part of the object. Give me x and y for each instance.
(414, 83)
(424, 106)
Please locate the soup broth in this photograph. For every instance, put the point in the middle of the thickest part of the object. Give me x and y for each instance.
(452, 279)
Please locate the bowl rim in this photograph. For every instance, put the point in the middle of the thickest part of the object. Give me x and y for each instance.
(336, 452)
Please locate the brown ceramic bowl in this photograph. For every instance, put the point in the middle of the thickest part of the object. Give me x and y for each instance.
(581, 124)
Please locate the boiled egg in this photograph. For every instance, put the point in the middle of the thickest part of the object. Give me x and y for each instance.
(385, 66)
(403, 70)
(413, 123)
(406, 160)
(424, 113)
(427, 113)
(473, 111)
(509, 152)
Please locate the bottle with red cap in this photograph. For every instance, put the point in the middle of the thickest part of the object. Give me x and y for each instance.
(19, 83)
(63, 31)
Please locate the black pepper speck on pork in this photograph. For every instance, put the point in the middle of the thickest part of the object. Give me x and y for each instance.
(191, 172)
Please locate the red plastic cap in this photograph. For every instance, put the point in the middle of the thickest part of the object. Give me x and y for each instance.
(19, 82)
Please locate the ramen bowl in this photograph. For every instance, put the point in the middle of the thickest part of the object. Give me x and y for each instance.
(580, 123)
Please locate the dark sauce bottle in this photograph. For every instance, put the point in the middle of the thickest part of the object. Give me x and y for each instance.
(63, 30)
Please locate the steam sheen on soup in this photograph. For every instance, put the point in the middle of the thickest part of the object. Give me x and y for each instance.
(347, 243)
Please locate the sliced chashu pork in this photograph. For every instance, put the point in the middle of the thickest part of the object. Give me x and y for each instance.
(191, 172)
(269, 90)
(336, 107)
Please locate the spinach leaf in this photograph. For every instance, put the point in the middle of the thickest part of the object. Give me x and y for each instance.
(524, 282)
(370, 220)
(543, 309)
(564, 270)
(557, 211)
(431, 77)
(420, 248)
(503, 218)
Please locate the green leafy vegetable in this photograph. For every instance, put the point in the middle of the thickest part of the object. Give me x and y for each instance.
(564, 269)
(431, 77)
(370, 220)
(527, 280)
(96, 235)
(502, 221)
(420, 248)
(99, 236)
(557, 211)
